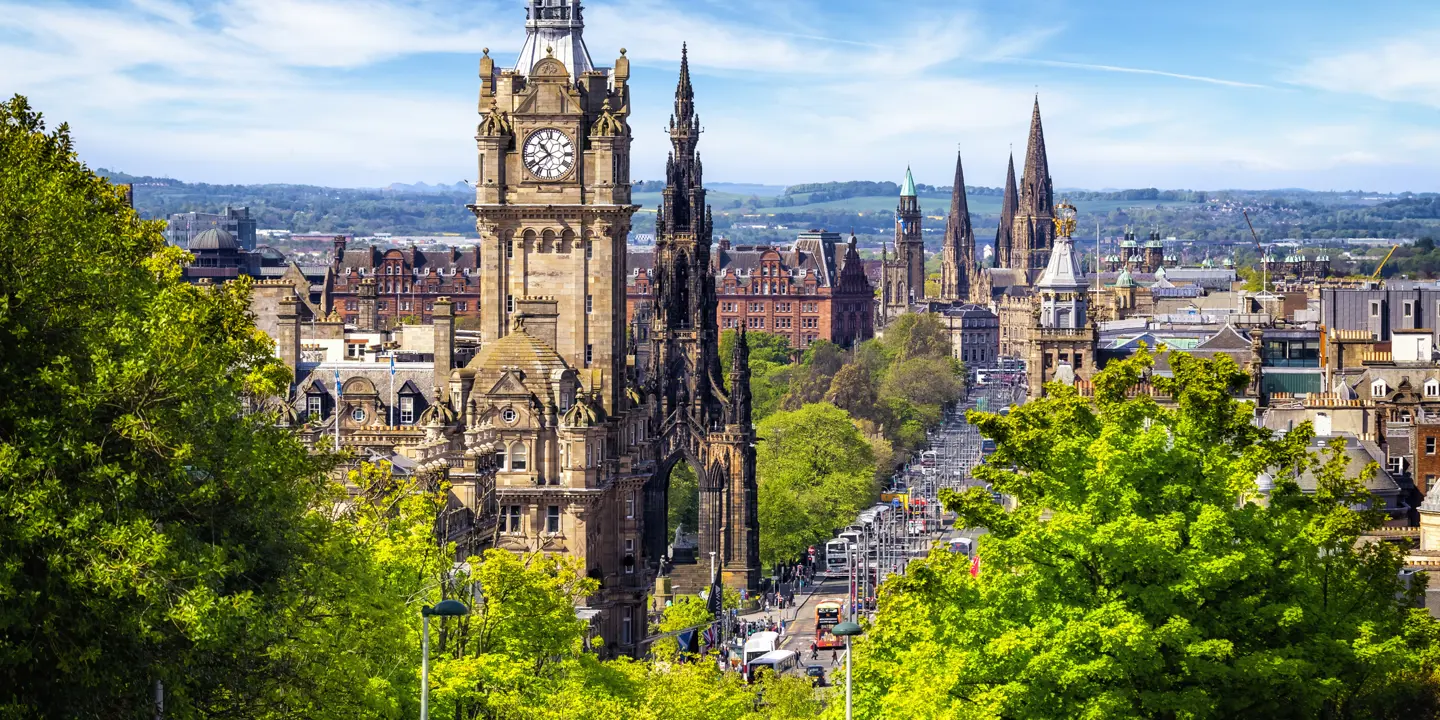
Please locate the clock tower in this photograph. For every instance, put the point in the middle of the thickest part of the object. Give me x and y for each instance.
(552, 204)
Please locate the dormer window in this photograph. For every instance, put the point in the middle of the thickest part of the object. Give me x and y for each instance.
(1432, 388)
(1378, 389)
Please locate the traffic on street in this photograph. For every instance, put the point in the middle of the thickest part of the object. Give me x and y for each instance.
(907, 523)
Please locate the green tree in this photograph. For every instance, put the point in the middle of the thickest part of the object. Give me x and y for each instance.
(811, 380)
(1144, 575)
(916, 335)
(853, 390)
(151, 529)
(684, 499)
(816, 471)
(926, 380)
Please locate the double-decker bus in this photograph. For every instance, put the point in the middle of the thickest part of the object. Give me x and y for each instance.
(837, 558)
(827, 616)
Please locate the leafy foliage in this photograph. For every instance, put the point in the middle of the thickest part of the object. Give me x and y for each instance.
(150, 528)
(816, 472)
(1144, 575)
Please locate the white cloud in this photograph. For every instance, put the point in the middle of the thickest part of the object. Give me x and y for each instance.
(348, 33)
(1139, 71)
(1400, 69)
(282, 91)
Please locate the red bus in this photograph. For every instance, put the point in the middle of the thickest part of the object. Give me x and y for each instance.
(827, 616)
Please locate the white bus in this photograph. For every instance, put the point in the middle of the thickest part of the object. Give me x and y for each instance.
(837, 558)
(760, 644)
(778, 662)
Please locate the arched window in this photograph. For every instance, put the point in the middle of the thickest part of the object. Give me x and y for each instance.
(1432, 388)
(518, 456)
(500, 458)
(1378, 389)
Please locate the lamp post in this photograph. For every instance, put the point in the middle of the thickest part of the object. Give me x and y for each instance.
(444, 608)
(846, 630)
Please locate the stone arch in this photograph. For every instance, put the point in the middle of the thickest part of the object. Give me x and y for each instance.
(656, 500)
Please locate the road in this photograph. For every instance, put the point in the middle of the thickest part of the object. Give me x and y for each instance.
(957, 450)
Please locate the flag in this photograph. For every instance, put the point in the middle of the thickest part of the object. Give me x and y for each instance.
(337, 382)
(712, 637)
(975, 566)
(392, 364)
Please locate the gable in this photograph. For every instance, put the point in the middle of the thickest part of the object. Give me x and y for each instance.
(510, 383)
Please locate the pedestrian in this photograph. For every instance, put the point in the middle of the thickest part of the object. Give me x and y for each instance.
(814, 651)
(834, 658)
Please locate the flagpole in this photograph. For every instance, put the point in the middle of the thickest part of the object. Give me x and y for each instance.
(393, 399)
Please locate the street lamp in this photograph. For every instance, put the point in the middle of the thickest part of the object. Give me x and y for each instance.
(845, 630)
(444, 608)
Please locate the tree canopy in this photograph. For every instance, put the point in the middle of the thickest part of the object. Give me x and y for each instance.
(151, 528)
(816, 471)
(1145, 575)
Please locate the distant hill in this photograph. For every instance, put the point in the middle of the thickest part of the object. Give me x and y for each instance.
(755, 212)
(427, 189)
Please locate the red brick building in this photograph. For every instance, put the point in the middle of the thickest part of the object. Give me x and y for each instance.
(804, 292)
(407, 281)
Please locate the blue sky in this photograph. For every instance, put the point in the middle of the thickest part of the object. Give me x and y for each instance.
(1221, 94)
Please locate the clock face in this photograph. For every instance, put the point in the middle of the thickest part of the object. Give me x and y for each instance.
(549, 154)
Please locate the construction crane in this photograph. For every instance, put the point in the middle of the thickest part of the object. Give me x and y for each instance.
(1381, 266)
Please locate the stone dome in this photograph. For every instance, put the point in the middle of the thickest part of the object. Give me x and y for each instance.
(520, 351)
(213, 239)
(583, 414)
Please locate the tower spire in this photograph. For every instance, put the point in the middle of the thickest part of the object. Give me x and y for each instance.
(1035, 183)
(684, 200)
(957, 258)
(1005, 233)
(1035, 233)
(684, 93)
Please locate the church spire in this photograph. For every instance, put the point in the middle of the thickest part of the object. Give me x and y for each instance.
(1036, 192)
(957, 261)
(1005, 233)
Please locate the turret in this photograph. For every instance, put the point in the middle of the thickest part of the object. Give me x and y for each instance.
(739, 406)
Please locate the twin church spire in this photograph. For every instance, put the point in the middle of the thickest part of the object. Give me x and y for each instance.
(1025, 234)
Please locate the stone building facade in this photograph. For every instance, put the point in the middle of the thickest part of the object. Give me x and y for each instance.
(554, 437)
(1062, 341)
(813, 290)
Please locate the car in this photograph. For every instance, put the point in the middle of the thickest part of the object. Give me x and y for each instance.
(817, 675)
